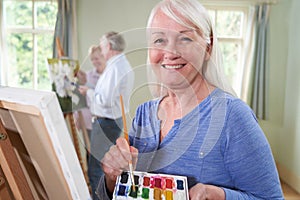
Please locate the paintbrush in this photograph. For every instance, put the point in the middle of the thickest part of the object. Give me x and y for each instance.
(67, 80)
(127, 138)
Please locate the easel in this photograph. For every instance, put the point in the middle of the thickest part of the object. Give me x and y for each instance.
(70, 119)
(37, 155)
(12, 169)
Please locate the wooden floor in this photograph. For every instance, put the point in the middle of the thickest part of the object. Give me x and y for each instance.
(289, 193)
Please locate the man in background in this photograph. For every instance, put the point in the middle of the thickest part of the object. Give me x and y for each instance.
(117, 79)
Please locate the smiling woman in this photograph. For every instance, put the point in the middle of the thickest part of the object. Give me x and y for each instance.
(183, 43)
(197, 127)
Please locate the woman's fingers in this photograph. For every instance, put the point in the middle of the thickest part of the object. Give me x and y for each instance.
(117, 159)
(119, 156)
(134, 154)
(124, 147)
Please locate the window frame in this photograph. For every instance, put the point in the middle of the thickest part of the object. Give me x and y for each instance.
(34, 30)
(233, 6)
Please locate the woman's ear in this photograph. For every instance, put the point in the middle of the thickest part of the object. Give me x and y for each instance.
(209, 47)
(208, 52)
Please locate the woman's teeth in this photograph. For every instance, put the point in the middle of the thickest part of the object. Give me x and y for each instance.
(172, 66)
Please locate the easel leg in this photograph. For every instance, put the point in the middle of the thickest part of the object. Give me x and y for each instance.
(12, 169)
(76, 143)
(84, 131)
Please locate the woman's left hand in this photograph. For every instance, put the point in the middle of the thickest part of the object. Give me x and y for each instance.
(83, 89)
(206, 192)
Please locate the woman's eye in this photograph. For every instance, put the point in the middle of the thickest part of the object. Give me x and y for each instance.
(186, 39)
(159, 41)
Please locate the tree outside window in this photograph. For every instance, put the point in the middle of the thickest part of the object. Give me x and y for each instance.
(29, 30)
(28, 37)
(230, 28)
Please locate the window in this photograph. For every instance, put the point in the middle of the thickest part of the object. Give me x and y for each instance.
(28, 37)
(230, 23)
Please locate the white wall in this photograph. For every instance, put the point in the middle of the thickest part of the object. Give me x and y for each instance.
(96, 17)
(290, 136)
(283, 126)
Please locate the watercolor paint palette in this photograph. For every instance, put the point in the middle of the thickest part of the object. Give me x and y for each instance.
(151, 186)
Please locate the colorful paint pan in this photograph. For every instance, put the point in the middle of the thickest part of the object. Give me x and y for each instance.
(149, 186)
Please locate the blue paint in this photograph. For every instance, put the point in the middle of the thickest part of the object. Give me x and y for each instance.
(180, 185)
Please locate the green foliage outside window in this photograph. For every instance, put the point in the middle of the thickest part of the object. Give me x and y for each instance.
(230, 58)
(229, 23)
(20, 59)
(28, 40)
(46, 14)
(44, 51)
(18, 13)
(229, 29)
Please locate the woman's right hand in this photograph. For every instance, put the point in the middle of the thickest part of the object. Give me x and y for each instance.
(83, 89)
(81, 76)
(116, 160)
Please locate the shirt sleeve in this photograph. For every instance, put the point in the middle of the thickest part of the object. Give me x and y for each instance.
(90, 95)
(101, 190)
(248, 157)
(106, 91)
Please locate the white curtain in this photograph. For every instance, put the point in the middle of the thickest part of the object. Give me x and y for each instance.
(249, 54)
(66, 29)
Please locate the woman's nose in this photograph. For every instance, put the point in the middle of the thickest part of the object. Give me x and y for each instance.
(171, 52)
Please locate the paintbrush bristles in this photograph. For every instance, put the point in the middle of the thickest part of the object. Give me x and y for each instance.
(132, 176)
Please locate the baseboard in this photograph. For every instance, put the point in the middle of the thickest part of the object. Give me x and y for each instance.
(289, 177)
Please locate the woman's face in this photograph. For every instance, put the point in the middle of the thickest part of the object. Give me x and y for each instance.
(98, 61)
(176, 52)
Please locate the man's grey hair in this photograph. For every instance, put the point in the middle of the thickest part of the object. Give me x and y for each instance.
(116, 41)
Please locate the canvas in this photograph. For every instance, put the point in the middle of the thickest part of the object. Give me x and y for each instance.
(63, 76)
(37, 130)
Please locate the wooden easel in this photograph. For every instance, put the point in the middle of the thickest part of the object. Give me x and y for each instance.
(37, 155)
(12, 169)
(84, 131)
(70, 118)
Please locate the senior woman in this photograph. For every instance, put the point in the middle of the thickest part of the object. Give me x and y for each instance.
(196, 127)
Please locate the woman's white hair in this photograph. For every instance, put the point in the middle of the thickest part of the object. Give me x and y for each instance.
(191, 14)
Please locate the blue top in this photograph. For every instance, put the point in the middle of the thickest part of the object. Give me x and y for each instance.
(218, 143)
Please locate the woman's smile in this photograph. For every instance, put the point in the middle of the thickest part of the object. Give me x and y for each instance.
(178, 66)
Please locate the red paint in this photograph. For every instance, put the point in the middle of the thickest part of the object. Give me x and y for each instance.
(157, 182)
(169, 183)
(146, 181)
